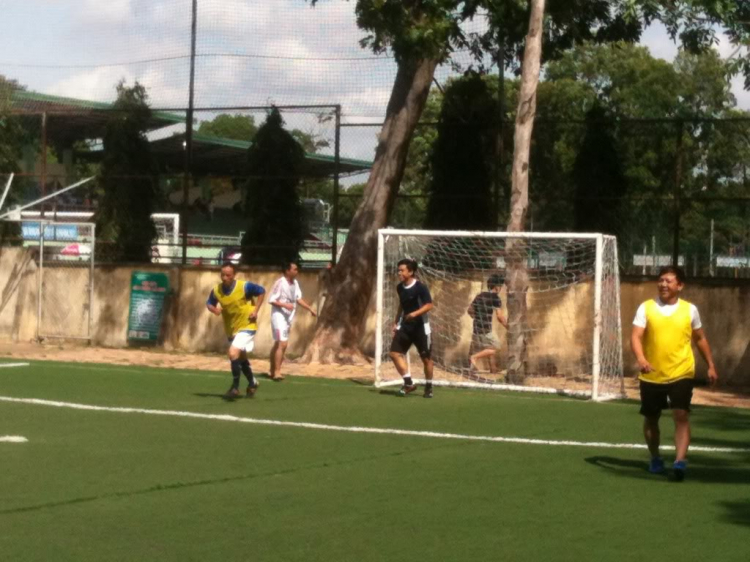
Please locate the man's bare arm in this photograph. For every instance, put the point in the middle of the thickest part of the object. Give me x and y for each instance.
(699, 337)
(636, 344)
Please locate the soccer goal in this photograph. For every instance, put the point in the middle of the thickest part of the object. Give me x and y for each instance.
(569, 315)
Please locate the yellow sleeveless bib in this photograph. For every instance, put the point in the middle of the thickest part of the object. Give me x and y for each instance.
(235, 309)
(667, 344)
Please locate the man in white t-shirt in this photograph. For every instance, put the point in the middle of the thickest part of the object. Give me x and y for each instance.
(284, 298)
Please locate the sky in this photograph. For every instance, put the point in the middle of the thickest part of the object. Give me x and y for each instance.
(250, 53)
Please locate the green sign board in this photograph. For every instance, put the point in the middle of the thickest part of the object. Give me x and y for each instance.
(147, 294)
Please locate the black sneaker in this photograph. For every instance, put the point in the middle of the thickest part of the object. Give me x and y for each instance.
(232, 393)
(407, 389)
(252, 389)
(428, 392)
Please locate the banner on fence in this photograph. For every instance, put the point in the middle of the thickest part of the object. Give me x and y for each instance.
(148, 292)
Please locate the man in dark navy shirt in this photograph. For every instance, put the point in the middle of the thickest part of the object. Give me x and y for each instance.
(412, 326)
(483, 340)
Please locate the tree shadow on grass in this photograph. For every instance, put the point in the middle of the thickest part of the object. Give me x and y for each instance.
(723, 419)
(698, 471)
(737, 512)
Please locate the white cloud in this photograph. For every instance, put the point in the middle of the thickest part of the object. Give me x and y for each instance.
(96, 12)
(94, 85)
(659, 43)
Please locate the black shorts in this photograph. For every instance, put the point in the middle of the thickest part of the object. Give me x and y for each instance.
(406, 336)
(657, 397)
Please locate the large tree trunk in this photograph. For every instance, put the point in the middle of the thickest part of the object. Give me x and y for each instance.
(338, 332)
(517, 278)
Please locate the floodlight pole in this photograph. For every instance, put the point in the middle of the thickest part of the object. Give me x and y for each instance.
(44, 158)
(677, 190)
(499, 148)
(336, 174)
(189, 135)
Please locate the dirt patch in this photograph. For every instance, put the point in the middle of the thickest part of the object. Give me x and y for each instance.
(71, 352)
(155, 357)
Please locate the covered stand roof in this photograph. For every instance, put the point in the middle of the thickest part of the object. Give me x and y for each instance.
(220, 156)
(69, 120)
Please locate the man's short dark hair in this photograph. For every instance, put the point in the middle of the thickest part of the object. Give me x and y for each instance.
(410, 264)
(287, 265)
(229, 264)
(678, 273)
(495, 280)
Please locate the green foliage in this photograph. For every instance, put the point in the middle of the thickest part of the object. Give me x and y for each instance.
(128, 179)
(275, 231)
(237, 127)
(460, 190)
(12, 139)
(12, 135)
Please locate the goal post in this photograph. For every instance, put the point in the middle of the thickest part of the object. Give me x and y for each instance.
(571, 324)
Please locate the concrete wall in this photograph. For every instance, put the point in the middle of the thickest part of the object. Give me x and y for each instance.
(724, 306)
(187, 324)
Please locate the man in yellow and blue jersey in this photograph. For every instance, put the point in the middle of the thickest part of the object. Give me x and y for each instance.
(238, 304)
(663, 330)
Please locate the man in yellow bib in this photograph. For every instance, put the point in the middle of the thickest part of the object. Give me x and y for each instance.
(663, 329)
(238, 305)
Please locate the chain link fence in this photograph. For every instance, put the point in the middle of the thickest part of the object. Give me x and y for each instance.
(669, 189)
(66, 277)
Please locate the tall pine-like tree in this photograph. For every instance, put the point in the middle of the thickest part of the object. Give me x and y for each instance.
(128, 179)
(12, 138)
(598, 176)
(460, 190)
(276, 230)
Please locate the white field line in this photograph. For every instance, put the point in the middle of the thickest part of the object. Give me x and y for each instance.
(13, 439)
(355, 429)
(14, 365)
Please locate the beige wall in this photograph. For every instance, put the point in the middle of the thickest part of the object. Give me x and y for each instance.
(188, 326)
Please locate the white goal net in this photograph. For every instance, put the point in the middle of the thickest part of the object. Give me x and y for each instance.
(570, 321)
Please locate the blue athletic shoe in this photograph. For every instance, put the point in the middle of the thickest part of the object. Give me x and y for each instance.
(656, 466)
(680, 468)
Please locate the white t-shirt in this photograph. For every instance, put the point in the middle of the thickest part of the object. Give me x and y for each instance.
(666, 310)
(285, 292)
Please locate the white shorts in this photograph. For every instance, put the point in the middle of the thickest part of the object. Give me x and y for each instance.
(244, 340)
(281, 327)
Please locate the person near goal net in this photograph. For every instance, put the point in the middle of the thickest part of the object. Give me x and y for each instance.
(412, 327)
(484, 343)
(237, 304)
(662, 331)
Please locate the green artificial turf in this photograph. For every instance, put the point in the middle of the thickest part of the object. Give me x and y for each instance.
(101, 485)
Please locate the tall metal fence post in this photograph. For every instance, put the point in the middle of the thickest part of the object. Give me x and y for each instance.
(189, 135)
(336, 174)
(677, 190)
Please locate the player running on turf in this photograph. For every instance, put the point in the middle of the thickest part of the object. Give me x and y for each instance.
(284, 298)
(237, 304)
